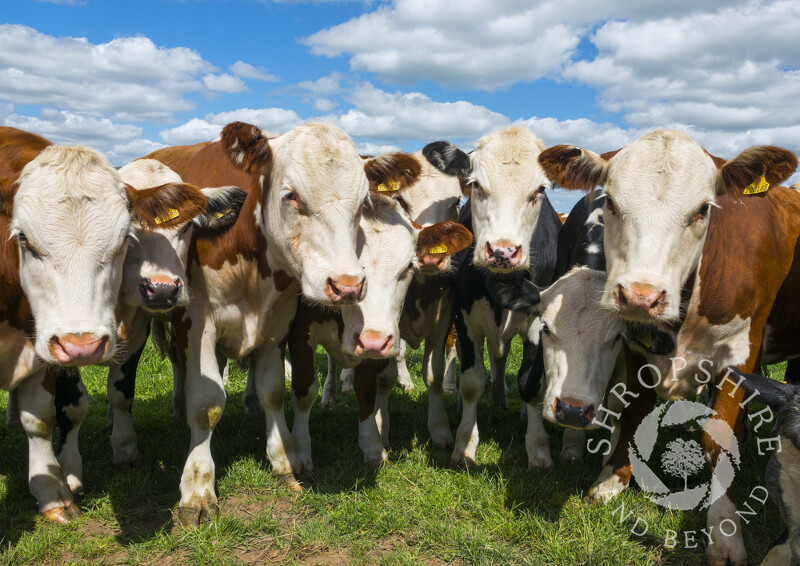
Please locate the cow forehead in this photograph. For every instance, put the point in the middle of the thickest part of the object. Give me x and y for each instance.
(573, 302)
(508, 156)
(147, 173)
(385, 237)
(665, 165)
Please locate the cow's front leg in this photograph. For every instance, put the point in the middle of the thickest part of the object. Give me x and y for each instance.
(572, 445)
(473, 382)
(250, 401)
(449, 384)
(433, 363)
(497, 365)
(530, 381)
(346, 378)
(36, 397)
(305, 387)
(723, 524)
(331, 383)
(12, 408)
(366, 387)
(403, 376)
(121, 387)
(386, 379)
(205, 401)
(270, 385)
(72, 405)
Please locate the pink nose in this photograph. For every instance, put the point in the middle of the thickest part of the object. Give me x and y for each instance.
(345, 290)
(372, 344)
(502, 254)
(78, 349)
(640, 301)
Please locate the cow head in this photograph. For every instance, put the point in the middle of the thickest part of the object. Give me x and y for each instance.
(154, 272)
(580, 344)
(72, 221)
(660, 193)
(315, 185)
(392, 249)
(506, 187)
(783, 398)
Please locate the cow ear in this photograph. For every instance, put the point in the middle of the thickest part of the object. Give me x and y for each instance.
(770, 392)
(247, 147)
(438, 242)
(756, 169)
(165, 206)
(224, 204)
(391, 173)
(574, 168)
(448, 159)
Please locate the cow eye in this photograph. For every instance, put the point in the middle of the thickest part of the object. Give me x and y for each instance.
(702, 212)
(610, 205)
(403, 204)
(538, 194)
(476, 189)
(290, 197)
(545, 329)
(617, 338)
(23, 241)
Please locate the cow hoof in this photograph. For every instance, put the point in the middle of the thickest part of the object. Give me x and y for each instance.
(126, 465)
(407, 386)
(326, 402)
(376, 463)
(541, 463)
(572, 458)
(449, 390)
(464, 463)
(306, 477)
(75, 487)
(193, 516)
(289, 481)
(347, 391)
(63, 515)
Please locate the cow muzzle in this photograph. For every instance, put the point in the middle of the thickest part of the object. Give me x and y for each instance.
(345, 290)
(572, 413)
(372, 344)
(502, 254)
(79, 349)
(640, 301)
(160, 293)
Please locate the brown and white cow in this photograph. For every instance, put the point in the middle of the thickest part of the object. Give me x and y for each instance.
(672, 259)
(154, 279)
(296, 231)
(393, 250)
(65, 221)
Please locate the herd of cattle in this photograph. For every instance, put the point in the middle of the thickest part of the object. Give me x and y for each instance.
(681, 264)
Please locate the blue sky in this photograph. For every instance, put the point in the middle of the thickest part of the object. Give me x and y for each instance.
(129, 77)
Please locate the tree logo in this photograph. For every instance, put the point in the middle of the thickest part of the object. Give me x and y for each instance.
(682, 458)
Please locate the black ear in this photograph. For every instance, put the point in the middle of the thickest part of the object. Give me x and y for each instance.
(224, 204)
(447, 158)
(770, 392)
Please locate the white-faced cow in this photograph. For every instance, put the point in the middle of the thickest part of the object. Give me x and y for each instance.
(681, 252)
(65, 221)
(296, 231)
(515, 230)
(393, 251)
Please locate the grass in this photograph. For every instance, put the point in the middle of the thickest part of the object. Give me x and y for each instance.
(416, 510)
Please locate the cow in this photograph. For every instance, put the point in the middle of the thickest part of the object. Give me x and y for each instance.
(781, 473)
(296, 232)
(671, 265)
(394, 251)
(515, 230)
(154, 281)
(428, 309)
(66, 218)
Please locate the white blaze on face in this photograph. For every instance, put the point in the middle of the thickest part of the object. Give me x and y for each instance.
(506, 195)
(156, 258)
(434, 197)
(386, 247)
(317, 187)
(656, 219)
(71, 218)
(580, 342)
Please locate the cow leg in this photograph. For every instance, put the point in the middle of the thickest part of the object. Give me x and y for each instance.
(725, 547)
(271, 389)
(451, 353)
(530, 381)
(346, 378)
(305, 387)
(178, 382)
(366, 388)
(72, 406)
(12, 408)
(403, 376)
(250, 400)
(616, 473)
(45, 476)
(438, 424)
(329, 389)
(497, 365)
(121, 386)
(205, 401)
(386, 379)
(473, 382)
(572, 445)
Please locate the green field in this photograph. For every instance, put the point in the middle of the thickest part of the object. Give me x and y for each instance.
(414, 511)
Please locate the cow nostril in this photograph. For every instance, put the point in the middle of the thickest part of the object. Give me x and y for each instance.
(659, 300)
(621, 295)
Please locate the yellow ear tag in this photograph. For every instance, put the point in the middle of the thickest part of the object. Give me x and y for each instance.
(392, 187)
(645, 338)
(438, 249)
(759, 186)
(171, 213)
(219, 214)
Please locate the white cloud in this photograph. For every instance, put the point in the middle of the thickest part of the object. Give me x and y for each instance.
(194, 131)
(123, 153)
(368, 148)
(272, 120)
(248, 71)
(128, 78)
(223, 83)
(61, 126)
(324, 105)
